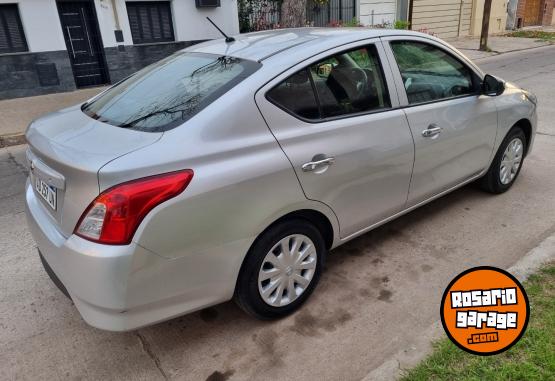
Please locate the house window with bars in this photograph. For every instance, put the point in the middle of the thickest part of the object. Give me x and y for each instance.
(150, 21)
(12, 38)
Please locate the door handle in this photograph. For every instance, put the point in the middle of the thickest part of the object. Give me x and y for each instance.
(433, 130)
(87, 30)
(70, 41)
(314, 165)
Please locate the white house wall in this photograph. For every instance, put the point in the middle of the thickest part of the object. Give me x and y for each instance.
(43, 31)
(192, 24)
(189, 22)
(373, 12)
(107, 23)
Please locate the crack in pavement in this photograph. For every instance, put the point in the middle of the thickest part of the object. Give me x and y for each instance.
(148, 350)
(12, 160)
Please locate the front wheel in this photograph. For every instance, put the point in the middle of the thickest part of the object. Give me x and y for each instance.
(507, 163)
(281, 270)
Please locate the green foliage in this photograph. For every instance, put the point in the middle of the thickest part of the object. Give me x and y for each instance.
(401, 24)
(537, 34)
(352, 23)
(345, 24)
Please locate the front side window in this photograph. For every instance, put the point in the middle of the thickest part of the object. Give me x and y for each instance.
(12, 38)
(168, 93)
(343, 84)
(150, 21)
(430, 74)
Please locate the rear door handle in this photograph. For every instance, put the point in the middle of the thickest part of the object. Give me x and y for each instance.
(432, 131)
(314, 165)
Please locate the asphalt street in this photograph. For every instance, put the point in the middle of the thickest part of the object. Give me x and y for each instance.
(377, 296)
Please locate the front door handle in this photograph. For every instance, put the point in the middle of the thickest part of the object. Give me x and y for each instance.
(315, 164)
(432, 131)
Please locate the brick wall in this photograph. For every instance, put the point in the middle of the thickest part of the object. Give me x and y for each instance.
(548, 6)
(520, 13)
(545, 11)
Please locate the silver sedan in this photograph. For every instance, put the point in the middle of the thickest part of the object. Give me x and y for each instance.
(230, 169)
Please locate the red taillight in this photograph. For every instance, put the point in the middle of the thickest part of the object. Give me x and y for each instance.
(116, 214)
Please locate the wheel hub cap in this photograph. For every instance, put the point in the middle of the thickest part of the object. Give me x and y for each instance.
(511, 161)
(287, 270)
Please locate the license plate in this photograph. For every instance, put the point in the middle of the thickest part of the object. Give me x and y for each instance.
(48, 193)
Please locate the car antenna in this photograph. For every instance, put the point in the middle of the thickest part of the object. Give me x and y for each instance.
(227, 38)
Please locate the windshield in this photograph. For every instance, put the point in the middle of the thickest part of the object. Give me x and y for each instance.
(168, 93)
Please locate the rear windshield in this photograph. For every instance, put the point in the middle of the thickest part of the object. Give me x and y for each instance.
(168, 93)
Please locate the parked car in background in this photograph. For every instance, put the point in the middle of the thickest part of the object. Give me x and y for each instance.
(230, 169)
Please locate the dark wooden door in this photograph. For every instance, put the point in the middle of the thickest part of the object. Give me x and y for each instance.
(84, 43)
(532, 12)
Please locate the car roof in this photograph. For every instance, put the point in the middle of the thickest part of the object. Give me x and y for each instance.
(258, 46)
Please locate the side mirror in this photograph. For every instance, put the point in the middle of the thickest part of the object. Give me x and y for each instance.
(492, 86)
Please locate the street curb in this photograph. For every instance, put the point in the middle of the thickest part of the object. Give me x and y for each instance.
(397, 365)
(12, 140)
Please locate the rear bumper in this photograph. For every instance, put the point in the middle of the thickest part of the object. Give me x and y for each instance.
(115, 288)
(53, 276)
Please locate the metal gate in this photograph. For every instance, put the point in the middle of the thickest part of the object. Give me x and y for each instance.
(257, 15)
(266, 14)
(334, 12)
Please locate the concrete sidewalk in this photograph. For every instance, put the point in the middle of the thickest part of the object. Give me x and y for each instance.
(409, 357)
(469, 46)
(16, 114)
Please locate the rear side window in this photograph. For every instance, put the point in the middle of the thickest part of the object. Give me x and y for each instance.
(168, 93)
(296, 95)
(430, 74)
(348, 83)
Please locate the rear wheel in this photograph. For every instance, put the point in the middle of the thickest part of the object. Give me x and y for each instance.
(507, 163)
(281, 270)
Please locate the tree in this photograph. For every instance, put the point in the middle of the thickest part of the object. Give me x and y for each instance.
(293, 13)
(485, 26)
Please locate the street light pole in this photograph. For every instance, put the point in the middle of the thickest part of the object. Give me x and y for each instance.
(485, 26)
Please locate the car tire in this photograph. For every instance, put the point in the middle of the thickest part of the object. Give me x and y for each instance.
(288, 284)
(503, 171)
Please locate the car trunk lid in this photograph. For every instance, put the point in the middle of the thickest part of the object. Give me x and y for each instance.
(66, 151)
